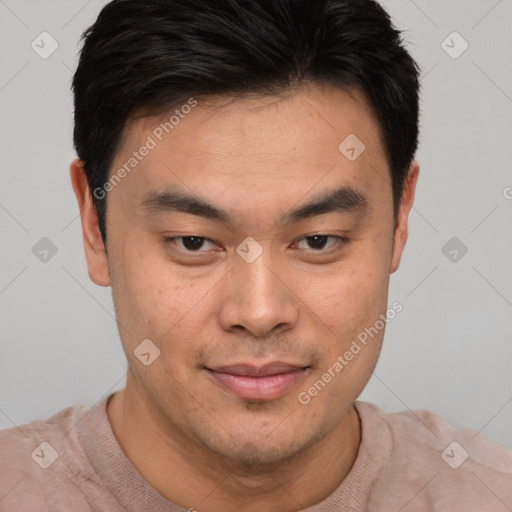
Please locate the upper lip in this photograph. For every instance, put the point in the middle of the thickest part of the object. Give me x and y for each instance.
(248, 370)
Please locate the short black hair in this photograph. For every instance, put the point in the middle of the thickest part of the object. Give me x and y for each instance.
(153, 54)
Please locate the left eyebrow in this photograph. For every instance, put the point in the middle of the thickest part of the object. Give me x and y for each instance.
(346, 199)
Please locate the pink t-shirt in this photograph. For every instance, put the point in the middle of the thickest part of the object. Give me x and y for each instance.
(407, 461)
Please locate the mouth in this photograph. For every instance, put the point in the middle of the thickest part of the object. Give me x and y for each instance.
(258, 383)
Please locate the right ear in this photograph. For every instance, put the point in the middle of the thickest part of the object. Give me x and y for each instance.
(95, 253)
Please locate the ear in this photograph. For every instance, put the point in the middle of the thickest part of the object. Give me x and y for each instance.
(400, 236)
(95, 252)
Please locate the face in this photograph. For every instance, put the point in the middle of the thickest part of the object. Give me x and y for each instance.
(253, 251)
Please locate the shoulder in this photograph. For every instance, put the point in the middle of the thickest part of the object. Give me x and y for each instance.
(438, 465)
(29, 452)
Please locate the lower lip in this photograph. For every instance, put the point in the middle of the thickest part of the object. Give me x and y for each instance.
(259, 388)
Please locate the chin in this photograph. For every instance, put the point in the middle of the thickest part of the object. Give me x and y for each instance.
(259, 452)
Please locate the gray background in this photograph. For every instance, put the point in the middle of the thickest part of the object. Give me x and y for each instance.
(450, 348)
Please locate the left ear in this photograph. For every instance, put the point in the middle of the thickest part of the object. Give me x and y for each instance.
(400, 236)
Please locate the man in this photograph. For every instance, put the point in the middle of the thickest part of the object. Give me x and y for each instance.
(245, 174)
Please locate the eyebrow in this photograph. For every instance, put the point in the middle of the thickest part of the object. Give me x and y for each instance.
(345, 199)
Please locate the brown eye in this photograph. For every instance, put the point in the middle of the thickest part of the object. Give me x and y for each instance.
(192, 243)
(320, 242)
(317, 241)
(189, 243)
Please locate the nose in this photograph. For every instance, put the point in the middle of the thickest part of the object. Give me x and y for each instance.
(258, 299)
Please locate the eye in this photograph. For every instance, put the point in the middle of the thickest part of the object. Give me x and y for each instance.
(318, 242)
(189, 243)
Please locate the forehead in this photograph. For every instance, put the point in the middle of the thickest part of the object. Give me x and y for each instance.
(260, 147)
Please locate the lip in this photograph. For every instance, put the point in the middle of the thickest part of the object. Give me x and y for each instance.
(258, 383)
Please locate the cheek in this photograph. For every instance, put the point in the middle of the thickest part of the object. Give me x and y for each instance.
(144, 294)
(350, 311)
(164, 305)
(352, 297)
(145, 276)
(169, 309)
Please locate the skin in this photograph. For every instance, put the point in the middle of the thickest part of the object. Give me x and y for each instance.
(256, 158)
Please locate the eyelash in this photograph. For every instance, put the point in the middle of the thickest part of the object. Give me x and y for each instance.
(342, 241)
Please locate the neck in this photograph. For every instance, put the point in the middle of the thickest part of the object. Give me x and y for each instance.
(191, 476)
